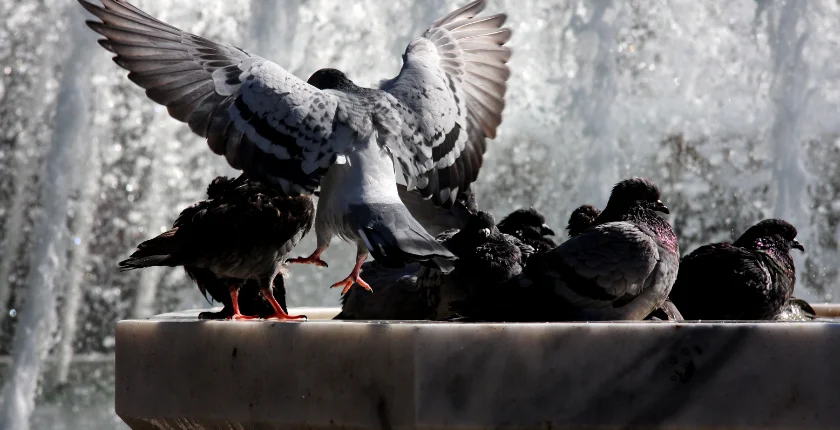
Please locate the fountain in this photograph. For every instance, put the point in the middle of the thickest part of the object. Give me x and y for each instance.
(731, 107)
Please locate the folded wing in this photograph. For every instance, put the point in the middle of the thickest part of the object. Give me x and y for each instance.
(607, 264)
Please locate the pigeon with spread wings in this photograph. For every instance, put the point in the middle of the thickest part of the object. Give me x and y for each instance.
(431, 121)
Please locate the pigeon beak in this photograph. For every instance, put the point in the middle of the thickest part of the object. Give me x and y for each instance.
(796, 245)
(545, 230)
(660, 207)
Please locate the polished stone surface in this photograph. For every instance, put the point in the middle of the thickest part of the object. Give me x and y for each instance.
(175, 372)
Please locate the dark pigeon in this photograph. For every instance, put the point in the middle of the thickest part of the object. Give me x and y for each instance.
(528, 225)
(581, 219)
(622, 268)
(750, 279)
(243, 231)
(397, 295)
(251, 301)
(486, 258)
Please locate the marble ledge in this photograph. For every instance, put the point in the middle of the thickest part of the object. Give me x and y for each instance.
(175, 372)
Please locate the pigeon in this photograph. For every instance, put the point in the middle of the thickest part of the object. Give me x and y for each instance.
(528, 225)
(618, 265)
(621, 268)
(244, 230)
(581, 219)
(586, 216)
(486, 257)
(750, 279)
(430, 122)
(397, 295)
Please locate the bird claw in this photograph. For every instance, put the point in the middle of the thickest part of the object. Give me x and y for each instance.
(284, 317)
(348, 282)
(240, 317)
(308, 260)
(213, 316)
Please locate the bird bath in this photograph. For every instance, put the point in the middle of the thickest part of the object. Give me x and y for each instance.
(176, 372)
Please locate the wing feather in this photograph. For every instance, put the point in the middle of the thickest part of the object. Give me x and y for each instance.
(607, 263)
(264, 120)
(450, 95)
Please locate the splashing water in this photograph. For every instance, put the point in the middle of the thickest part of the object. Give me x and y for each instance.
(716, 101)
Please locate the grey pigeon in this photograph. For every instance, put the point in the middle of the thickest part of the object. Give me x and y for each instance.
(431, 122)
(486, 258)
(528, 225)
(586, 216)
(750, 279)
(620, 269)
(243, 231)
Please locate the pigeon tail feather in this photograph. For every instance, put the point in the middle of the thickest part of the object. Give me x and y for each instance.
(395, 238)
(147, 261)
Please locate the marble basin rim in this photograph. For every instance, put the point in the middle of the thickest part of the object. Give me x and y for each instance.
(174, 371)
(327, 313)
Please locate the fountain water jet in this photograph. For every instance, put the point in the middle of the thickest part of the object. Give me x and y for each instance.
(593, 105)
(66, 156)
(789, 95)
(22, 117)
(147, 285)
(77, 266)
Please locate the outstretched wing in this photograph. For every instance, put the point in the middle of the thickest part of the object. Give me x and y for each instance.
(450, 94)
(264, 120)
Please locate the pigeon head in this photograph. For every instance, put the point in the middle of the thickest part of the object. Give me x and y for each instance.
(330, 79)
(464, 205)
(634, 193)
(480, 225)
(525, 222)
(770, 233)
(221, 186)
(581, 219)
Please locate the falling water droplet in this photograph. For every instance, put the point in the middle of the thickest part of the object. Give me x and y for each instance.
(12, 313)
(77, 241)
